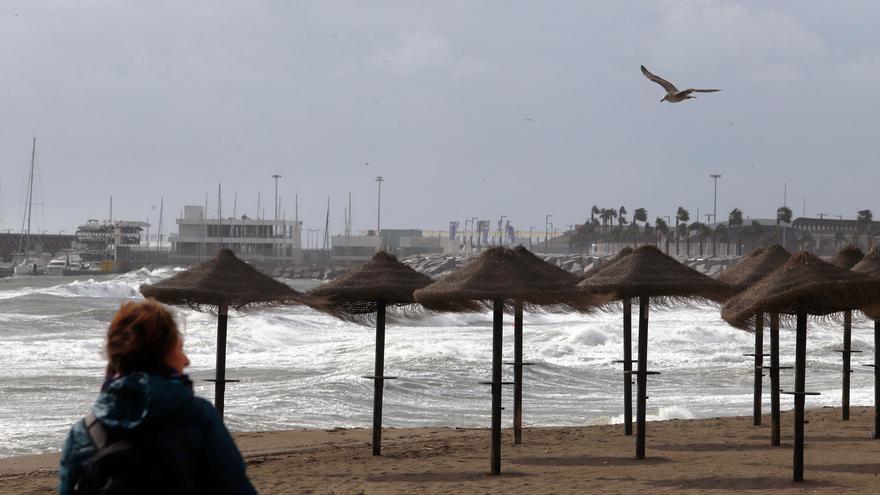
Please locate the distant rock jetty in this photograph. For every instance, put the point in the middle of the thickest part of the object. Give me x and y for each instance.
(436, 266)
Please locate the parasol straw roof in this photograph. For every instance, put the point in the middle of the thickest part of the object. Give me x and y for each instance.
(755, 266)
(549, 269)
(502, 274)
(356, 292)
(649, 272)
(804, 283)
(870, 266)
(221, 280)
(626, 251)
(847, 257)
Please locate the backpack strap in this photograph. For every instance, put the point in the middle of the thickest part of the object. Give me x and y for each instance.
(95, 430)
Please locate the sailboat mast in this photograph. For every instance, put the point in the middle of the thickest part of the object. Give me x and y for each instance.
(30, 199)
(161, 211)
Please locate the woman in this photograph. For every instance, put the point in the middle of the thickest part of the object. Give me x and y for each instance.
(147, 432)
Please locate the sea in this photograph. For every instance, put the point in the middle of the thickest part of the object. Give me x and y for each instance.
(299, 368)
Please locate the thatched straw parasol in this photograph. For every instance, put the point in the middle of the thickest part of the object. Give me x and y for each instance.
(365, 291)
(220, 283)
(627, 360)
(544, 269)
(496, 276)
(847, 258)
(751, 269)
(648, 273)
(870, 266)
(803, 286)
(605, 264)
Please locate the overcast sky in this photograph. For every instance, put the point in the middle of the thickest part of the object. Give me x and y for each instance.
(141, 100)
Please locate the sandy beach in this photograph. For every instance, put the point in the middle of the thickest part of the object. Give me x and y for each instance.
(721, 455)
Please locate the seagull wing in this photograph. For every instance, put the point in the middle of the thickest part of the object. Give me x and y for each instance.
(692, 90)
(668, 86)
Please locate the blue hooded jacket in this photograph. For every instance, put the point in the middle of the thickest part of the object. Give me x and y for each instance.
(199, 455)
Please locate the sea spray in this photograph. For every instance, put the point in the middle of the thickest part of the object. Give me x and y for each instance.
(302, 369)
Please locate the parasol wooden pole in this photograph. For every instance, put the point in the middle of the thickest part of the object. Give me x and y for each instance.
(627, 367)
(497, 322)
(775, 433)
(847, 363)
(759, 371)
(220, 378)
(378, 379)
(642, 377)
(517, 371)
(799, 384)
(876, 378)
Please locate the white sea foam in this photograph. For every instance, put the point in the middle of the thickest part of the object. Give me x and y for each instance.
(301, 368)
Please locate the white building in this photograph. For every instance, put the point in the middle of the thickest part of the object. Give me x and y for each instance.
(255, 239)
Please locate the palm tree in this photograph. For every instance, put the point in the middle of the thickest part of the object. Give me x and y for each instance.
(593, 212)
(640, 215)
(621, 221)
(783, 214)
(662, 228)
(607, 215)
(681, 215)
(735, 219)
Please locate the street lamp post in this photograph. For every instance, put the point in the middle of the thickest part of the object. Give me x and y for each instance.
(276, 177)
(379, 181)
(715, 178)
(547, 230)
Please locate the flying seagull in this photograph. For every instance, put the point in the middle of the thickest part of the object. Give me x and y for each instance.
(673, 95)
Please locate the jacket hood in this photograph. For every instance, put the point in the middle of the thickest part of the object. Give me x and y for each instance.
(140, 399)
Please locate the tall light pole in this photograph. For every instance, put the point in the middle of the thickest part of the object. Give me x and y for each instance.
(715, 177)
(547, 230)
(530, 236)
(379, 180)
(276, 177)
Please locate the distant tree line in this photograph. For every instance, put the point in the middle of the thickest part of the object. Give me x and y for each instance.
(612, 225)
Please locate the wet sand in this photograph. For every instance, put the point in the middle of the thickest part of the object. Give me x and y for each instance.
(721, 455)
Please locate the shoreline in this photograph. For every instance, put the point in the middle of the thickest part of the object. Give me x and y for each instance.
(718, 455)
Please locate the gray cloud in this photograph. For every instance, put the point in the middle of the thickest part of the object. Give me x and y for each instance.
(146, 99)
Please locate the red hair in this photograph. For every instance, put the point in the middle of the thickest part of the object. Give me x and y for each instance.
(140, 338)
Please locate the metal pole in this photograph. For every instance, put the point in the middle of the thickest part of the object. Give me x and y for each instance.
(517, 371)
(799, 384)
(642, 377)
(627, 367)
(276, 177)
(220, 373)
(759, 371)
(775, 431)
(715, 201)
(379, 378)
(497, 334)
(379, 180)
(847, 353)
